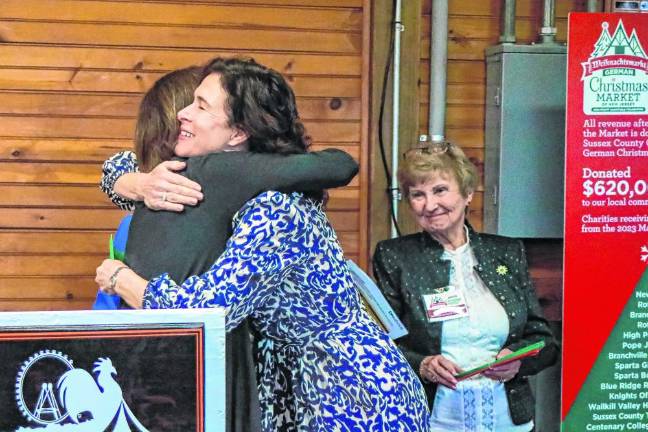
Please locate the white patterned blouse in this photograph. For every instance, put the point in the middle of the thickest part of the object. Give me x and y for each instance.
(478, 404)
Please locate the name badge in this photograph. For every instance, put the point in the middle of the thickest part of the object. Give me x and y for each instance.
(445, 303)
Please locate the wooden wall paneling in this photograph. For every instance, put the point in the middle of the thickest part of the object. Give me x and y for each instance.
(46, 265)
(60, 149)
(168, 58)
(466, 136)
(317, 4)
(116, 128)
(66, 127)
(27, 304)
(19, 102)
(523, 8)
(53, 242)
(37, 195)
(98, 149)
(126, 105)
(546, 266)
(460, 48)
(458, 93)
(122, 35)
(460, 71)
(72, 73)
(458, 116)
(163, 14)
(24, 289)
(139, 82)
(479, 27)
(348, 198)
(48, 173)
(89, 196)
(272, 3)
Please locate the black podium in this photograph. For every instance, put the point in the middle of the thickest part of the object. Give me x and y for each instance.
(125, 370)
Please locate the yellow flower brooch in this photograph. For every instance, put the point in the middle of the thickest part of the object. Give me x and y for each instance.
(502, 270)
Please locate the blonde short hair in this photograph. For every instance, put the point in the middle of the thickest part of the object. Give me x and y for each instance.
(421, 162)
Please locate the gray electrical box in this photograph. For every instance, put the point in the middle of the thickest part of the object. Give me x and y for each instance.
(525, 140)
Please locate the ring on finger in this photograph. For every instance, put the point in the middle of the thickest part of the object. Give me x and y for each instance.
(434, 378)
(164, 196)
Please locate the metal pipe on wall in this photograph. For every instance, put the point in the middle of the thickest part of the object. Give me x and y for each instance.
(395, 195)
(592, 6)
(548, 30)
(438, 70)
(507, 34)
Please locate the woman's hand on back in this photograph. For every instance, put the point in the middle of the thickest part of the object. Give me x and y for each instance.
(440, 370)
(164, 189)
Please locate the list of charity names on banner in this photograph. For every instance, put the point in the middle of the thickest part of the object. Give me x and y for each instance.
(619, 402)
(623, 144)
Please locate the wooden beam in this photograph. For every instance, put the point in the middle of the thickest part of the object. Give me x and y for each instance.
(363, 234)
(379, 203)
(410, 97)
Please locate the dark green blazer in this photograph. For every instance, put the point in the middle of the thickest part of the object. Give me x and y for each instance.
(410, 266)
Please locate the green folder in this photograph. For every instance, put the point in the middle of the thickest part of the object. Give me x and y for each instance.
(115, 254)
(527, 351)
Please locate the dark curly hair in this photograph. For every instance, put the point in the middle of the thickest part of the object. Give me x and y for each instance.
(261, 103)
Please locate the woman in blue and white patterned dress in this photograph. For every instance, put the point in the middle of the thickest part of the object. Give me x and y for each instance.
(322, 363)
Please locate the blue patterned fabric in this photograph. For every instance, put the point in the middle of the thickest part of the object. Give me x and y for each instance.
(322, 363)
(113, 168)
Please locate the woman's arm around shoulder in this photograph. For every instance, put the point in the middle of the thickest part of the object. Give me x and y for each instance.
(113, 169)
(305, 172)
(161, 189)
(331, 168)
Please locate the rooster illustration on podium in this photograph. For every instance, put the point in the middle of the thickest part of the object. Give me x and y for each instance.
(91, 405)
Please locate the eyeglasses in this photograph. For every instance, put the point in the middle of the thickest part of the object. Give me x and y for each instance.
(432, 148)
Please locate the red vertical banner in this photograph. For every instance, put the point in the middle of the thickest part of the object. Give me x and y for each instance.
(605, 318)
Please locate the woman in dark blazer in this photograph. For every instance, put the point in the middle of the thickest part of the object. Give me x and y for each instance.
(465, 297)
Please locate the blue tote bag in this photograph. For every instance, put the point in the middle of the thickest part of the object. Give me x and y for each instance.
(108, 301)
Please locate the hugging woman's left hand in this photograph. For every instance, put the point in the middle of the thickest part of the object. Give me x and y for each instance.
(106, 275)
(115, 277)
